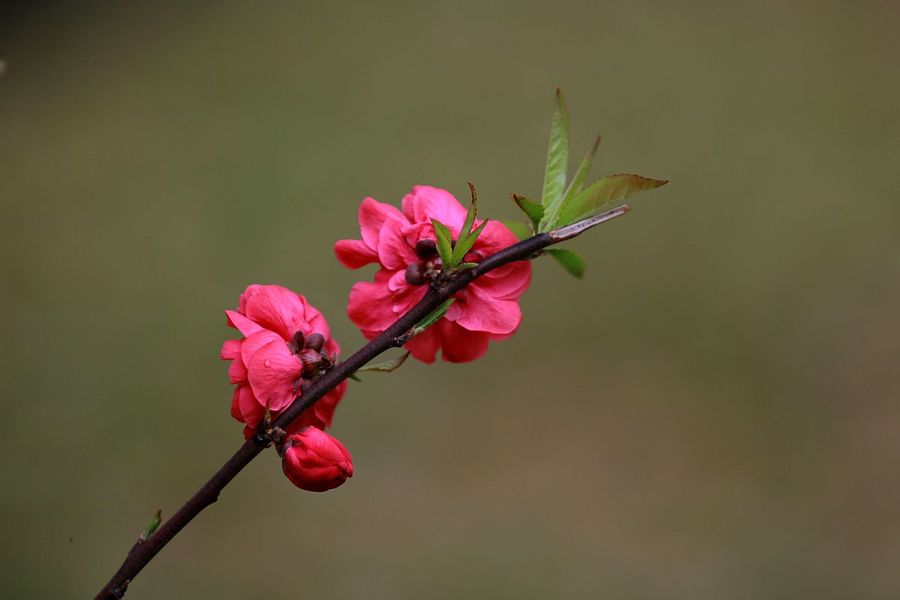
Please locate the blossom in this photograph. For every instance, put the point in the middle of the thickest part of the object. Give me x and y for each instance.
(316, 461)
(287, 343)
(402, 243)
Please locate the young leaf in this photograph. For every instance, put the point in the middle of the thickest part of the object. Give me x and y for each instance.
(445, 248)
(601, 192)
(533, 210)
(386, 366)
(152, 526)
(470, 216)
(569, 260)
(519, 229)
(468, 265)
(557, 160)
(464, 244)
(433, 317)
(581, 174)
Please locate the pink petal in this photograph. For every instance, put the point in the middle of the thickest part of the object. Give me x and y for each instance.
(424, 346)
(322, 412)
(394, 251)
(371, 304)
(483, 313)
(235, 405)
(372, 216)
(254, 342)
(242, 323)
(276, 308)
(250, 409)
(495, 237)
(323, 447)
(405, 296)
(274, 375)
(461, 345)
(231, 349)
(508, 282)
(316, 323)
(237, 372)
(425, 203)
(354, 254)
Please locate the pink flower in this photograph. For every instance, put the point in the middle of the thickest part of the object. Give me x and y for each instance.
(287, 342)
(401, 243)
(316, 461)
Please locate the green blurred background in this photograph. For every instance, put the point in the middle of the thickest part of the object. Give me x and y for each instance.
(712, 413)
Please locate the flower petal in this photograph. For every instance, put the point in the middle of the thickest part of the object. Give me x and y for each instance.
(508, 282)
(425, 203)
(370, 306)
(354, 254)
(237, 372)
(461, 345)
(242, 323)
(424, 346)
(274, 375)
(405, 296)
(316, 323)
(372, 216)
(394, 250)
(276, 308)
(254, 342)
(250, 410)
(231, 349)
(321, 414)
(482, 312)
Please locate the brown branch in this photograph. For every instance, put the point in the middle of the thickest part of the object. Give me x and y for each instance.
(143, 551)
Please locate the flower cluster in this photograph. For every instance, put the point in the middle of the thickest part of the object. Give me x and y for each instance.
(286, 345)
(402, 244)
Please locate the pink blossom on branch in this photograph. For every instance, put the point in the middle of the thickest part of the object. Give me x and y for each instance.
(286, 342)
(402, 245)
(315, 461)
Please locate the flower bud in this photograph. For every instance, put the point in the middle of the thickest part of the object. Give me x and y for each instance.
(414, 275)
(316, 461)
(315, 341)
(311, 361)
(426, 249)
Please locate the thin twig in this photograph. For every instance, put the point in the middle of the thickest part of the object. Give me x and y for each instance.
(141, 553)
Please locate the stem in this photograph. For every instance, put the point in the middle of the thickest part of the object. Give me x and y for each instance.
(144, 550)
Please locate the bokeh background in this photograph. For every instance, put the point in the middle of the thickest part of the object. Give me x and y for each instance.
(712, 413)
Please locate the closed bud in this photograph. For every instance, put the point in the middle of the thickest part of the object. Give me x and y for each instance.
(414, 275)
(316, 461)
(315, 341)
(426, 249)
(311, 360)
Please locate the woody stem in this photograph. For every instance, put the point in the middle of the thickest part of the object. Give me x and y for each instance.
(144, 550)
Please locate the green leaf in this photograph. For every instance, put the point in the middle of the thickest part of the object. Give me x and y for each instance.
(433, 317)
(581, 174)
(557, 161)
(519, 229)
(445, 248)
(612, 188)
(464, 244)
(354, 377)
(386, 366)
(152, 526)
(470, 216)
(533, 210)
(468, 265)
(569, 260)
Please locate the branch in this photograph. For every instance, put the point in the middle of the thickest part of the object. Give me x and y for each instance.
(144, 550)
